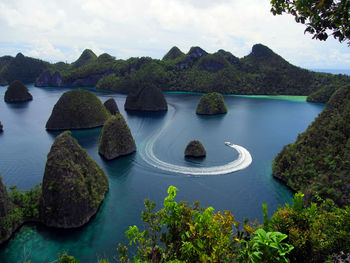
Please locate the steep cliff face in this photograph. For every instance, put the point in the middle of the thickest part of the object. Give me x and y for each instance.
(147, 99)
(17, 92)
(56, 80)
(77, 109)
(44, 79)
(73, 186)
(211, 103)
(116, 139)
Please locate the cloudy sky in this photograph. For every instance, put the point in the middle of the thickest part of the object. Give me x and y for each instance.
(59, 30)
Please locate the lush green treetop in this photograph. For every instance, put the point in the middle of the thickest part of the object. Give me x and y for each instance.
(321, 17)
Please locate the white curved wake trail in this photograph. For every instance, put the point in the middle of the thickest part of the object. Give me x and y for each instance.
(243, 161)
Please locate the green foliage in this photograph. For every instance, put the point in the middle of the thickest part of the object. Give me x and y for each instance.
(266, 218)
(265, 247)
(115, 83)
(318, 162)
(258, 73)
(115, 138)
(25, 69)
(26, 203)
(323, 94)
(85, 58)
(211, 103)
(182, 233)
(315, 231)
(77, 109)
(318, 16)
(65, 258)
(173, 53)
(261, 72)
(17, 92)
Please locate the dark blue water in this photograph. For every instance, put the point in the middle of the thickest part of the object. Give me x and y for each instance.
(262, 126)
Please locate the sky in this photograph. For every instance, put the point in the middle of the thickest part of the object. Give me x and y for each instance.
(59, 30)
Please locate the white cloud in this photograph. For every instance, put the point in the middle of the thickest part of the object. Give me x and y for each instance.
(61, 30)
(44, 49)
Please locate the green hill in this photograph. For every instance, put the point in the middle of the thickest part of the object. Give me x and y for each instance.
(25, 69)
(85, 58)
(262, 72)
(318, 162)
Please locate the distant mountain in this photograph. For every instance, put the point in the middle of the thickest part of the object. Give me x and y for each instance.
(260, 72)
(85, 58)
(173, 53)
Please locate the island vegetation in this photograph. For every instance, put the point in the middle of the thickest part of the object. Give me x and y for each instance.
(260, 72)
(195, 149)
(77, 109)
(148, 98)
(321, 18)
(318, 161)
(111, 106)
(25, 69)
(73, 188)
(314, 228)
(17, 92)
(179, 232)
(211, 104)
(115, 138)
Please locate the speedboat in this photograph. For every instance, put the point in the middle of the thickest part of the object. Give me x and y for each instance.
(228, 143)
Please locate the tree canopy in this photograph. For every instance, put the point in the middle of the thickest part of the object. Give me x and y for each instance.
(321, 17)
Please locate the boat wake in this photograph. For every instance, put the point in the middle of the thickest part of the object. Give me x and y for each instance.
(243, 161)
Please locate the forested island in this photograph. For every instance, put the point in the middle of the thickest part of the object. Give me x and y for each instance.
(260, 72)
(316, 164)
(72, 190)
(314, 227)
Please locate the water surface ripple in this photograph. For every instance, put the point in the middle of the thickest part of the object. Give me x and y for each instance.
(243, 161)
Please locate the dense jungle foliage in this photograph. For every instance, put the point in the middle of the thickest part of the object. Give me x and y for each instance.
(318, 163)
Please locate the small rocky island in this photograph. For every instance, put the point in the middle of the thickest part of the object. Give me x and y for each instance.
(1, 127)
(195, 149)
(211, 103)
(77, 109)
(111, 106)
(74, 186)
(116, 139)
(146, 99)
(17, 92)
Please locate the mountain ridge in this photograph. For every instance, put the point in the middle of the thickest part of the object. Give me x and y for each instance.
(261, 72)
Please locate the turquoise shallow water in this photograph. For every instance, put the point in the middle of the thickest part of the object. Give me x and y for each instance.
(263, 126)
